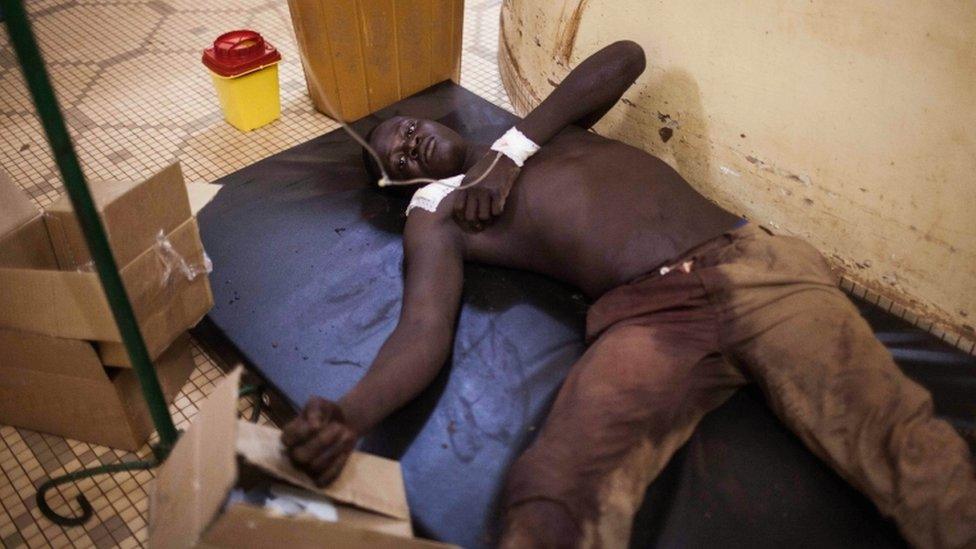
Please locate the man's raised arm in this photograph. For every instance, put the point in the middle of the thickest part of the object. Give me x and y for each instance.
(323, 435)
(582, 98)
(587, 93)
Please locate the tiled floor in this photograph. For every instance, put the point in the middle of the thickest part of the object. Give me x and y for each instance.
(135, 96)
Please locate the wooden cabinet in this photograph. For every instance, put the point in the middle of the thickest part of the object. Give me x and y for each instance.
(361, 55)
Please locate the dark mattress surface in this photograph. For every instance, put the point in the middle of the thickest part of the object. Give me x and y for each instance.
(307, 283)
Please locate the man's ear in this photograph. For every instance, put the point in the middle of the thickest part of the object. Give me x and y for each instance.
(373, 170)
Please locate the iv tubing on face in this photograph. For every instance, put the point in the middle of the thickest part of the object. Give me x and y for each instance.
(385, 181)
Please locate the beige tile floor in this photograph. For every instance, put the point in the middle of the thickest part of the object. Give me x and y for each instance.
(135, 96)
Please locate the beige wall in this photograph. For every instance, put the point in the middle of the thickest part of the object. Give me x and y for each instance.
(851, 123)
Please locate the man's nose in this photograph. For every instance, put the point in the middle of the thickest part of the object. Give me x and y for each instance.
(414, 145)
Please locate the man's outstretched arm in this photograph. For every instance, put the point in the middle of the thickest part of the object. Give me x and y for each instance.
(323, 435)
(581, 99)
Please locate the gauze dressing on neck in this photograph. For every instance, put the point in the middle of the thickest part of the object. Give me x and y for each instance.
(516, 146)
(429, 196)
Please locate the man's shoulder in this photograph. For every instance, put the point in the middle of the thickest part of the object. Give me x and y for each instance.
(430, 196)
(432, 225)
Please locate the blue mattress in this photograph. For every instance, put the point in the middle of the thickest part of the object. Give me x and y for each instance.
(307, 283)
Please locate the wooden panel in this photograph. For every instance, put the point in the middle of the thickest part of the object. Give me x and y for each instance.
(361, 55)
(377, 27)
(309, 20)
(457, 33)
(342, 26)
(413, 41)
(441, 39)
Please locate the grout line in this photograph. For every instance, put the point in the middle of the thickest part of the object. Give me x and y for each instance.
(965, 344)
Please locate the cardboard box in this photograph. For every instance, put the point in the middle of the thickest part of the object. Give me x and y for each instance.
(24, 240)
(132, 212)
(190, 505)
(35, 297)
(114, 354)
(27, 247)
(59, 386)
(73, 305)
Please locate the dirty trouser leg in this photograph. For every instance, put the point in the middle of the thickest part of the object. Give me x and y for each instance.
(629, 403)
(830, 380)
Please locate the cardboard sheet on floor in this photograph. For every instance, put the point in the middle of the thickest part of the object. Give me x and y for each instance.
(307, 285)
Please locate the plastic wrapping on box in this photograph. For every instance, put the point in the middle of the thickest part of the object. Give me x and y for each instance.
(283, 500)
(176, 263)
(173, 261)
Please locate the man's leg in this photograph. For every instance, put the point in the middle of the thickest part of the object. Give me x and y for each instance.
(830, 380)
(629, 403)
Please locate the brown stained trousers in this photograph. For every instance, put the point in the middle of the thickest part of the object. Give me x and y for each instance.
(667, 349)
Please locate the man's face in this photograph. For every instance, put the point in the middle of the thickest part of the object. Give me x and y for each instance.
(414, 147)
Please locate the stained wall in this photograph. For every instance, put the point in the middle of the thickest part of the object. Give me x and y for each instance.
(849, 123)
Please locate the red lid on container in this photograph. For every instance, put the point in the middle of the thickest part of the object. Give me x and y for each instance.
(239, 52)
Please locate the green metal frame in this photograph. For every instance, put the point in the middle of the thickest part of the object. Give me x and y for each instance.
(35, 73)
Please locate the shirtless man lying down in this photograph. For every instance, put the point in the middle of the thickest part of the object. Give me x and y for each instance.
(689, 305)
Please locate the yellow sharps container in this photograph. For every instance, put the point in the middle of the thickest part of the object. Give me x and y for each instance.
(244, 69)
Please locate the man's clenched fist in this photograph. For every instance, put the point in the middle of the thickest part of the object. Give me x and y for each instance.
(319, 441)
(476, 206)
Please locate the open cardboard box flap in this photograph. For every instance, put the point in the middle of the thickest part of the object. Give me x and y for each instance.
(132, 213)
(194, 481)
(24, 240)
(201, 194)
(367, 481)
(16, 208)
(202, 469)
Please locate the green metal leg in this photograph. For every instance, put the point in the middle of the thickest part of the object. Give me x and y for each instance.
(39, 84)
(35, 73)
(83, 503)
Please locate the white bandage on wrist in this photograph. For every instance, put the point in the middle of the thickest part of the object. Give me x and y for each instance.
(516, 146)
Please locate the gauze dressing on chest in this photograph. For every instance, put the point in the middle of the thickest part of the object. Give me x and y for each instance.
(429, 196)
